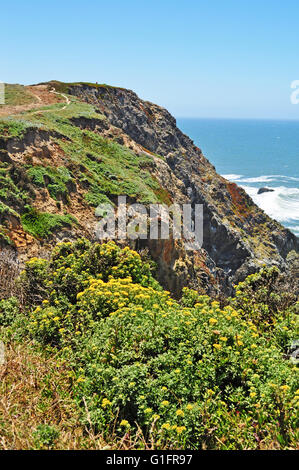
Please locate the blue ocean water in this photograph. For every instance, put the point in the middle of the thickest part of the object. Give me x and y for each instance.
(254, 154)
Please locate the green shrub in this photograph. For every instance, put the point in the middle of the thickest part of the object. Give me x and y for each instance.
(42, 224)
(55, 179)
(9, 310)
(190, 297)
(11, 128)
(186, 374)
(45, 436)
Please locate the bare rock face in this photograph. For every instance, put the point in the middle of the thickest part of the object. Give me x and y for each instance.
(238, 236)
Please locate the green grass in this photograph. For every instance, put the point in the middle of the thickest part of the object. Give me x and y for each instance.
(11, 127)
(104, 164)
(10, 193)
(63, 87)
(102, 168)
(6, 210)
(94, 197)
(42, 224)
(55, 179)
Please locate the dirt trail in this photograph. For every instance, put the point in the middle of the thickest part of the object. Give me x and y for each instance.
(64, 96)
(44, 97)
(41, 92)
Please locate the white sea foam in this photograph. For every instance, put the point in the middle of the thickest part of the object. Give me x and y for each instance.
(260, 179)
(232, 177)
(282, 204)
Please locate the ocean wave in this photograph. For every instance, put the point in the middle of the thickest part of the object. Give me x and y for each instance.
(260, 179)
(282, 204)
(232, 177)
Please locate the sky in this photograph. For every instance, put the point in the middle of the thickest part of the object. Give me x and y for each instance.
(197, 58)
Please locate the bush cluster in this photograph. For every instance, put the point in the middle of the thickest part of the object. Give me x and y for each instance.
(182, 374)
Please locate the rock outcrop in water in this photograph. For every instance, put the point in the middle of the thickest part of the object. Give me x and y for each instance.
(265, 190)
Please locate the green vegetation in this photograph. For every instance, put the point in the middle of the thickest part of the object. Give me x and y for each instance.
(176, 374)
(5, 211)
(4, 238)
(98, 353)
(9, 191)
(13, 128)
(42, 224)
(105, 164)
(55, 179)
(94, 196)
(63, 87)
(100, 169)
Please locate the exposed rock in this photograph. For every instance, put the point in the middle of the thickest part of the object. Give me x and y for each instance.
(293, 352)
(265, 190)
(238, 236)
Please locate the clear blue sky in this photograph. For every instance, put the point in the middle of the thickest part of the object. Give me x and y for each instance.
(221, 58)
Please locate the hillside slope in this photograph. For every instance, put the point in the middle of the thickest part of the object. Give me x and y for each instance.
(76, 145)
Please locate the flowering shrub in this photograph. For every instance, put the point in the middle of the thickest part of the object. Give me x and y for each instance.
(262, 296)
(191, 376)
(187, 374)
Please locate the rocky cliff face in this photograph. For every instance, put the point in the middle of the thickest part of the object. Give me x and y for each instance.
(238, 236)
(60, 163)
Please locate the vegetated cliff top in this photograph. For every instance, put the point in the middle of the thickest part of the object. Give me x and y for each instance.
(66, 147)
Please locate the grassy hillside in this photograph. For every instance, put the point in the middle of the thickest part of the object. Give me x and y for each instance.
(79, 162)
(117, 362)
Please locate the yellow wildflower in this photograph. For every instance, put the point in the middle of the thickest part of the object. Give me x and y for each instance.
(223, 338)
(180, 429)
(166, 426)
(125, 423)
(148, 410)
(106, 402)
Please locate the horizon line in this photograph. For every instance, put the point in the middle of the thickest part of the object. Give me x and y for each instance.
(239, 118)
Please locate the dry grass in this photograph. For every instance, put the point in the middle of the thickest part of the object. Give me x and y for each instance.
(35, 391)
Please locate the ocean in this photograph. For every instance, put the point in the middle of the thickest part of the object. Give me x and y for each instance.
(254, 154)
